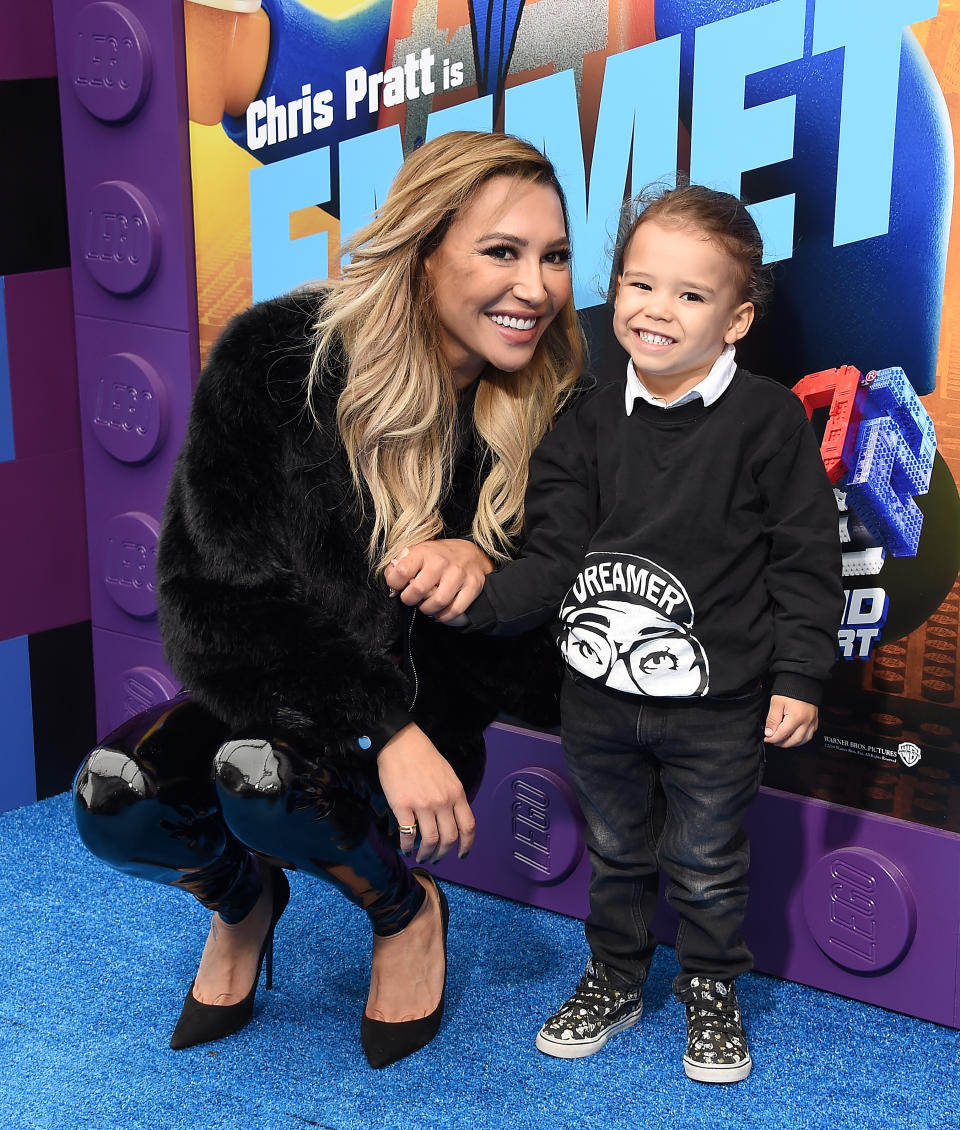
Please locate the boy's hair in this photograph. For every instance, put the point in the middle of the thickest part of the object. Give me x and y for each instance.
(722, 217)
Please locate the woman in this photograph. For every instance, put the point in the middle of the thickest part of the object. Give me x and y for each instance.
(330, 431)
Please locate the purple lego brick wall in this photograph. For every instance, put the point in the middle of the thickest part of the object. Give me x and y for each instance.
(41, 496)
(861, 905)
(45, 646)
(123, 107)
(26, 46)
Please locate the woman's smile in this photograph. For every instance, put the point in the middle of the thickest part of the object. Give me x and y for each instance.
(500, 276)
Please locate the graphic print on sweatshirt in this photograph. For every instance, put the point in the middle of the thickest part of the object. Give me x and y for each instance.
(625, 623)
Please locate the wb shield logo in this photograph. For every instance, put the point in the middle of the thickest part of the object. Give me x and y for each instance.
(908, 753)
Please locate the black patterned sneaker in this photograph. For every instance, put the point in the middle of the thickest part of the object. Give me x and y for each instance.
(595, 1012)
(716, 1042)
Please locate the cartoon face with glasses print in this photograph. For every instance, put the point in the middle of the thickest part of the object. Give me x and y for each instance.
(625, 624)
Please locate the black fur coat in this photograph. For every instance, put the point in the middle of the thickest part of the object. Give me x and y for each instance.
(268, 610)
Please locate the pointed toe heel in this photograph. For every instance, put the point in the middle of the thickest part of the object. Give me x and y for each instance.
(204, 1023)
(384, 1043)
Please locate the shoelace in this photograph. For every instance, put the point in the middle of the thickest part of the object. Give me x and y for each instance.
(590, 996)
(710, 1015)
(594, 997)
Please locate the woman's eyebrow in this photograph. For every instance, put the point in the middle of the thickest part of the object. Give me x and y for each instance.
(560, 241)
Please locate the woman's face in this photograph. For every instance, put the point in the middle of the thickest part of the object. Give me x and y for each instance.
(500, 275)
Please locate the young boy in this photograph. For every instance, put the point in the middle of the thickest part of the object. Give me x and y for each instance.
(683, 522)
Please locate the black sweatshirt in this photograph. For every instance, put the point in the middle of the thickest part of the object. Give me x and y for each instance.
(691, 550)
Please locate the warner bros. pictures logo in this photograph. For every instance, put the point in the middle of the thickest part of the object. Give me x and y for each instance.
(625, 624)
(909, 754)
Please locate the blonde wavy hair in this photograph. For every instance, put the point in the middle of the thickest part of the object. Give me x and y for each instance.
(397, 411)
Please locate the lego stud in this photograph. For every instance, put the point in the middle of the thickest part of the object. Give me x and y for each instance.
(129, 563)
(121, 241)
(538, 834)
(112, 65)
(860, 909)
(127, 407)
(139, 688)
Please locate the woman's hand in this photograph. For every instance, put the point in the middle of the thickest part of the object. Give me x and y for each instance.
(422, 789)
(442, 578)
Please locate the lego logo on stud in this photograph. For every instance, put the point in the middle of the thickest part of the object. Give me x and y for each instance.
(121, 240)
(539, 834)
(112, 65)
(909, 754)
(860, 909)
(127, 407)
(142, 687)
(129, 563)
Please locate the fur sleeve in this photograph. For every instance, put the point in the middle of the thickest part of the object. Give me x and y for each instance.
(245, 625)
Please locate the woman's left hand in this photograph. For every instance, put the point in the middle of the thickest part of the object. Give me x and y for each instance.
(441, 578)
(425, 793)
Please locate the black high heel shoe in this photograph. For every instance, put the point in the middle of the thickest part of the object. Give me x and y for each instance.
(384, 1043)
(202, 1023)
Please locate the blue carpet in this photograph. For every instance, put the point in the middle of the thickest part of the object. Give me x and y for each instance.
(97, 964)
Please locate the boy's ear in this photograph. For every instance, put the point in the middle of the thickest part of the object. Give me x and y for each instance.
(616, 288)
(740, 322)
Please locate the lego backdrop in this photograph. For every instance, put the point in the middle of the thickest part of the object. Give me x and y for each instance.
(832, 117)
(46, 667)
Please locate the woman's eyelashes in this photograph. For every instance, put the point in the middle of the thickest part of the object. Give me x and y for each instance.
(500, 251)
(505, 252)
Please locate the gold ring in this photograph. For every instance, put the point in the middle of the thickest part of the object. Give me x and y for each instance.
(407, 829)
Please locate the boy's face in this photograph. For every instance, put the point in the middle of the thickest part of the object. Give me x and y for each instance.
(677, 305)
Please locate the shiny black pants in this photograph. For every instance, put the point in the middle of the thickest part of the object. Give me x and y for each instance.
(172, 797)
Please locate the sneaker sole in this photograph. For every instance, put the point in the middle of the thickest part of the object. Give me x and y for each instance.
(727, 1073)
(570, 1049)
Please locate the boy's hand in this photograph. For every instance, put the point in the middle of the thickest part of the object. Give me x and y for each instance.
(441, 578)
(790, 722)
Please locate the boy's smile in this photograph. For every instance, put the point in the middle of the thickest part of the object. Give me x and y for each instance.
(678, 303)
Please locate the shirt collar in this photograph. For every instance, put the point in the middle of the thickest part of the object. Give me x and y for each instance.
(711, 388)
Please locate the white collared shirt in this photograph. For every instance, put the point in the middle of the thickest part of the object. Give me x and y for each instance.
(711, 388)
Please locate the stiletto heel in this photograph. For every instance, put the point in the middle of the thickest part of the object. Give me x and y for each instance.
(203, 1023)
(384, 1043)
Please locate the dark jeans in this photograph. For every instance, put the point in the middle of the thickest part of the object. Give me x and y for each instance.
(665, 783)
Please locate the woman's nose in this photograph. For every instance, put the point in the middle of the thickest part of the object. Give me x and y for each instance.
(529, 283)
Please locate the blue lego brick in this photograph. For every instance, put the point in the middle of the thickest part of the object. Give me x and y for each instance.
(892, 463)
(881, 485)
(892, 393)
(19, 770)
